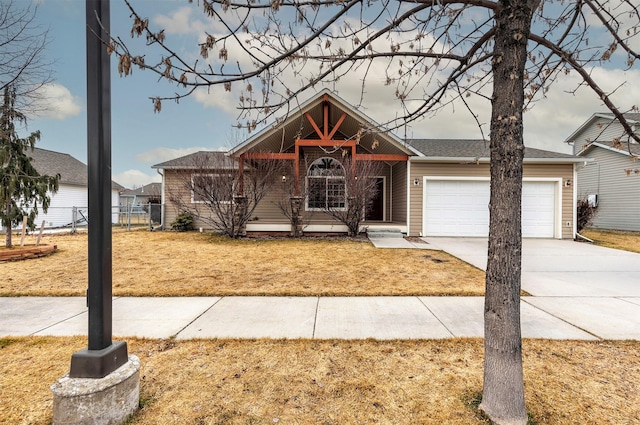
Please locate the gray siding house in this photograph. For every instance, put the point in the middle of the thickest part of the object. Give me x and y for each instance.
(610, 175)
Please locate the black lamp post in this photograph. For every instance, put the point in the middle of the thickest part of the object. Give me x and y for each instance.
(102, 355)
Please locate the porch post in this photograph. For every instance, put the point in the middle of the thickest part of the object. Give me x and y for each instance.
(239, 213)
(296, 216)
(296, 169)
(241, 175)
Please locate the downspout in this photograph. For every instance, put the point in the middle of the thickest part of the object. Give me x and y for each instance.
(162, 201)
(575, 202)
(409, 197)
(390, 201)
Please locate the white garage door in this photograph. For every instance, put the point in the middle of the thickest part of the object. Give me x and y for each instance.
(461, 208)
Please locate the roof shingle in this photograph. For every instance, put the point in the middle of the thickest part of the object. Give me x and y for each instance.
(472, 149)
(71, 170)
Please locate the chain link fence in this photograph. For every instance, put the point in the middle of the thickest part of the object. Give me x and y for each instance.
(77, 218)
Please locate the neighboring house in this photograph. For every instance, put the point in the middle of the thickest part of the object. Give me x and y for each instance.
(137, 198)
(610, 178)
(72, 190)
(427, 187)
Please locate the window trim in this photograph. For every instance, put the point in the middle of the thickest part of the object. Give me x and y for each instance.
(326, 178)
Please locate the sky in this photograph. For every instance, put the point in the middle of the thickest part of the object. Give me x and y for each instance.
(142, 138)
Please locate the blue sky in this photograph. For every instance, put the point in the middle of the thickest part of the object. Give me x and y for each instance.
(141, 138)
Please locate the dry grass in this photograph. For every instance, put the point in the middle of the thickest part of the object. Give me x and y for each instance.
(335, 382)
(627, 241)
(193, 264)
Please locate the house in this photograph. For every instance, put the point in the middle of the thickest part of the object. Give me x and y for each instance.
(426, 187)
(70, 202)
(141, 196)
(610, 176)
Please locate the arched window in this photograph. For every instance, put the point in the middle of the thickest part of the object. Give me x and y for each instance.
(325, 185)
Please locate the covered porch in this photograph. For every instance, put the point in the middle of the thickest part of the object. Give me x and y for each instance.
(324, 144)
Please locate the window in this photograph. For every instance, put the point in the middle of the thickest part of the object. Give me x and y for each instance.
(325, 185)
(211, 188)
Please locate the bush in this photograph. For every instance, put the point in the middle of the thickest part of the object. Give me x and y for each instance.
(585, 214)
(183, 222)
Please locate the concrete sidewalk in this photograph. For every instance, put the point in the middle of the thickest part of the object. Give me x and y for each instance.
(584, 318)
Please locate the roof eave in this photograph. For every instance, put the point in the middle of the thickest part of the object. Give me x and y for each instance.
(486, 160)
(592, 145)
(305, 106)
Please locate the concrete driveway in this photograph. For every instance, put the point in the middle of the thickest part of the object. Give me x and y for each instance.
(593, 288)
(560, 268)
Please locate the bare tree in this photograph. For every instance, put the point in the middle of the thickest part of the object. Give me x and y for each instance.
(22, 61)
(221, 193)
(507, 52)
(289, 199)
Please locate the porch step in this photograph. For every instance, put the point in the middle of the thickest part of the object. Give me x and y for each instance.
(384, 232)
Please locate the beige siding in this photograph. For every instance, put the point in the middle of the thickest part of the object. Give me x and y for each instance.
(618, 193)
(398, 199)
(268, 210)
(421, 169)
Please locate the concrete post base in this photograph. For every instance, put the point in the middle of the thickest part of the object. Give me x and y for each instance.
(104, 401)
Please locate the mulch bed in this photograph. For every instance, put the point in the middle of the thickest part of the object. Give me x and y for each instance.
(26, 252)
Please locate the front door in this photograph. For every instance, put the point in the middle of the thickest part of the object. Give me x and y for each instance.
(376, 212)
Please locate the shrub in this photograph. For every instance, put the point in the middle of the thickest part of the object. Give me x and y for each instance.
(183, 222)
(585, 214)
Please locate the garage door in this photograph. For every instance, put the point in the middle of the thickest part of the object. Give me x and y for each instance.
(461, 208)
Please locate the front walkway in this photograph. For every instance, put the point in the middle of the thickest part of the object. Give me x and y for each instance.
(320, 317)
(581, 292)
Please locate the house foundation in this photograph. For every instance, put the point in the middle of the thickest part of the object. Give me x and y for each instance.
(103, 401)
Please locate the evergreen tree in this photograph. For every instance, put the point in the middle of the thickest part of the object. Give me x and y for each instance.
(22, 188)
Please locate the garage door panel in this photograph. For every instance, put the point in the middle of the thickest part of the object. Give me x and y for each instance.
(461, 208)
(538, 209)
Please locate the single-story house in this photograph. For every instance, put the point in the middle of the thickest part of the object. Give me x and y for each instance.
(141, 196)
(426, 187)
(611, 178)
(136, 201)
(72, 189)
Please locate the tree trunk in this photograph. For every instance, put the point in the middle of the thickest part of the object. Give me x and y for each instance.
(7, 239)
(503, 391)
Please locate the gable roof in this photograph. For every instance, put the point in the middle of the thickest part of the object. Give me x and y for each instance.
(151, 189)
(282, 135)
(71, 170)
(622, 148)
(200, 159)
(633, 118)
(465, 150)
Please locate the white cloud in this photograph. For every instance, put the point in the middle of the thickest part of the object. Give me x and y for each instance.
(162, 154)
(135, 178)
(182, 22)
(57, 102)
(551, 120)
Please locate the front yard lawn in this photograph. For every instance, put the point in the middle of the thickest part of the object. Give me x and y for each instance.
(310, 382)
(194, 264)
(627, 241)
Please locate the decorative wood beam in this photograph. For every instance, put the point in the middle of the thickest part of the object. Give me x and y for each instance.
(314, 125)
(338, 124)
(325, 111)
(269, 155)
(381, 157)
(314, 142)
(296, 169)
